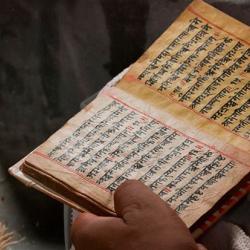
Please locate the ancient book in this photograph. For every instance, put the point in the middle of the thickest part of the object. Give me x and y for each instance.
(177, 120)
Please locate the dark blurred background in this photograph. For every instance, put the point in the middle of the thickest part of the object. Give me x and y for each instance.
(53, 55)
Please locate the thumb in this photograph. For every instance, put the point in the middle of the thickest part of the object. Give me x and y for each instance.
(144, 211)
(133, 197)
(82, 221)
(90, 231)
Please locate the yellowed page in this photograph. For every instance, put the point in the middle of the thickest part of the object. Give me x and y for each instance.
(199, 68)
(15, 170)
(140, 130)
(111, 141)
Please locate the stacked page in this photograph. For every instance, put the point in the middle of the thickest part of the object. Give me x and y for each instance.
(178, 121)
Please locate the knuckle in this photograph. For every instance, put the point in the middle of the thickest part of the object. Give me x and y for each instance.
(128, 185)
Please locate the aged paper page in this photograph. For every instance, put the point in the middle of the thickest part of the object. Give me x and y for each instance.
(178, 121)
(200, 69)
(111, 141)
(29, 182)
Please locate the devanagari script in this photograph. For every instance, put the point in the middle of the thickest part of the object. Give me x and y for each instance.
(202, 63)
(112, 142)
(178, 121)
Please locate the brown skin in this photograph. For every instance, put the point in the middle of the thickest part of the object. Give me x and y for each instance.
(144, 222)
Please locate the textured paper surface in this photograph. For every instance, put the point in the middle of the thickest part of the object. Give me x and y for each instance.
(142, 130)
(200, 66)
(110, 141)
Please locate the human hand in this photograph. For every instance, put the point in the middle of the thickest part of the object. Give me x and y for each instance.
(143, 222)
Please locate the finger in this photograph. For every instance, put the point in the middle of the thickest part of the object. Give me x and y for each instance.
(134, 196)
(95, 231)
(140, 208)
(83, 220)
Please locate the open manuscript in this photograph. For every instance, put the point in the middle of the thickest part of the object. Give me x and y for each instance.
(178, 121)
